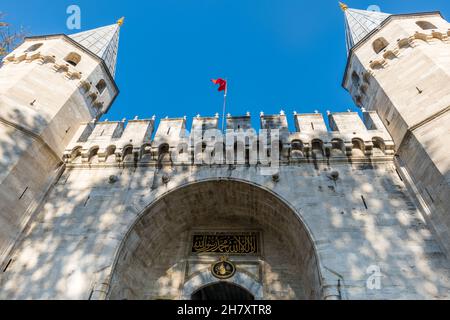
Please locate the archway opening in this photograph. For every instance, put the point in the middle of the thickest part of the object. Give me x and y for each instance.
(222, 291)
(157, 259)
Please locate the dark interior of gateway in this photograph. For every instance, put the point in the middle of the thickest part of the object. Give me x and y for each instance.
(222, 291)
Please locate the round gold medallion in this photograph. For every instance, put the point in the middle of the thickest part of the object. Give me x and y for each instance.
(223, 269)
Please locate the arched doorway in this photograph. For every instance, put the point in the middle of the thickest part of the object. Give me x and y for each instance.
(157, 259)
(222, 291)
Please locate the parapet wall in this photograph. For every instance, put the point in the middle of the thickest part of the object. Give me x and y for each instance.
(349, 138)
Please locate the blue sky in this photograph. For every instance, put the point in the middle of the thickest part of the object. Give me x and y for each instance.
(277, 54)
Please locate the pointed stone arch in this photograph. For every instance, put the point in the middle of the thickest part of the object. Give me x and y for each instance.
(176, 211)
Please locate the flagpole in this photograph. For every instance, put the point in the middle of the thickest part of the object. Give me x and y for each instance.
(224, 106)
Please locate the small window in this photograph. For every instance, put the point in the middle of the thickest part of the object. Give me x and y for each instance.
(425, 25)
(101, 86)
(379, 45)
(34, 47)
(297, 145)
(317, 145)
(73, 59)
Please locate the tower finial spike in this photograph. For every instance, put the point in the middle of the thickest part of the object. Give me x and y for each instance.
(121, 21)
(343, 6)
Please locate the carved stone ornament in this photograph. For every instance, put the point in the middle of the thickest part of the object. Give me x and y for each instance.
(224, 269)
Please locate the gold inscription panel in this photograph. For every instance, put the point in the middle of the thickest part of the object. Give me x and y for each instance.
(242, 243)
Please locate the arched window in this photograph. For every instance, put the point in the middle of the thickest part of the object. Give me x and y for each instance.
(101, 86)
(425, 25)
(93, 155)
(73, 59)
(358, 147)
(127, 155)
(297, 145)
(378, 145)
(296, 149)
(110, 152)
(380, 44)
(34, 47)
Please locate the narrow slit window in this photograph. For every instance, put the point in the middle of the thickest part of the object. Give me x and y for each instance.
(429, 194)
(7, 265)
(87, 200)
(23, 193)
(364, 202)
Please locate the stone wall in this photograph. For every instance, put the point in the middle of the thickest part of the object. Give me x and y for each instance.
(117, 223)
(71, 249)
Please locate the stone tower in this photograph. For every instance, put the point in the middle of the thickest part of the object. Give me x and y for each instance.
(48, 86)
(398, 66)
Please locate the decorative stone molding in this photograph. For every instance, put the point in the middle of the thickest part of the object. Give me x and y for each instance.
(393, 51)
(113, 143)
(69, 72)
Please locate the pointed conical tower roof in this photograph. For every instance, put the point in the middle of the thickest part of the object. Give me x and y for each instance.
(359, 23)
(104, 42)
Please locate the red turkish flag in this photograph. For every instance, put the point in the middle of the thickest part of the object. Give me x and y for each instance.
(221, 83)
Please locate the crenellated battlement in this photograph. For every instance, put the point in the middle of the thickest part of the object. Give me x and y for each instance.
(114, 142)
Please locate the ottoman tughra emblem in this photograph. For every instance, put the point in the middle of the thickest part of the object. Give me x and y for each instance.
(224, 269)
